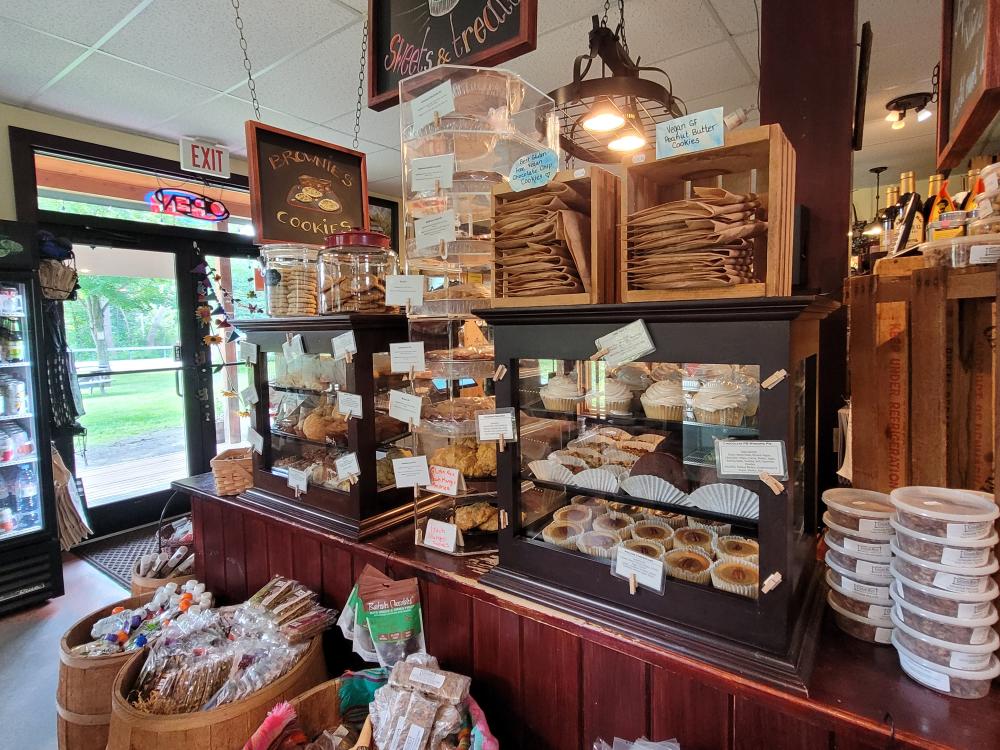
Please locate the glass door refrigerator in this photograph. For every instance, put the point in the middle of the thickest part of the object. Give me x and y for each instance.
(30, 560)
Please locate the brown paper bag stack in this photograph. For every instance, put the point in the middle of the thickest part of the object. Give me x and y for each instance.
(542, 243)
(705, 241)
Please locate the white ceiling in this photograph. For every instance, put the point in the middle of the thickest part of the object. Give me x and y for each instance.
(174, 67)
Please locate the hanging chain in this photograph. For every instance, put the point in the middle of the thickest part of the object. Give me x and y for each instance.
(935, 79)
(361, 81)
(246, 60)
(621, 25)
(604, 18)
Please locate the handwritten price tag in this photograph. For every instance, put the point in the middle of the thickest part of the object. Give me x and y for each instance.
(343, 345)
(534, 170)
(445, 480)
(626, 344)
(695, 132)
(441, 535)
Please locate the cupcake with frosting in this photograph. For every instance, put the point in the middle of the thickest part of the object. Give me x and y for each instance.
(635, 376)
(614, 398)
(667, 371)
(561, 393)
(664, 399)
(718, 402)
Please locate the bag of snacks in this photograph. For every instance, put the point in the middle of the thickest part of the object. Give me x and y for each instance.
(351, 622)
(393, 617)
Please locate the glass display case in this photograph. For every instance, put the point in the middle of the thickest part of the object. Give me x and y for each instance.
(308, 414)
(634, 492)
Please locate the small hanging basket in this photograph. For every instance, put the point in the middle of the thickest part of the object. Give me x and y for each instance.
(233, 471)
(58, 279)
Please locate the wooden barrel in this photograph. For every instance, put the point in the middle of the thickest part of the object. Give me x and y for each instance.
(227, 727)
(144, 585)
(319, 709)
(83, 695)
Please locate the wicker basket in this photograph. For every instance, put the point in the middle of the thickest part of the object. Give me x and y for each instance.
(233, 471)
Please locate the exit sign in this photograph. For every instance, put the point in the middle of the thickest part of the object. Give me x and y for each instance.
(204, 157)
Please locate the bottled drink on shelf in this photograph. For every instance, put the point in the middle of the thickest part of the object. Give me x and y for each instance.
(909, 219)
(13, 341)
(26, 497)
(889, 219)
(964, 198)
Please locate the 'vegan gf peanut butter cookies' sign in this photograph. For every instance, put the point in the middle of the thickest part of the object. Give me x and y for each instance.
(302, 189)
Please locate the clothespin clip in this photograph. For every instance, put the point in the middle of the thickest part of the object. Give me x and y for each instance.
(776, 486)
(599, 354)
(504, 519)
(443, 249)
(633, 584)
(352, 479)
(411, 424)
(775, 378)
(348, 357)
(501, 443)
(437, 120)
(437, 187)
(411, 373)
(499, 373)
(770, 583)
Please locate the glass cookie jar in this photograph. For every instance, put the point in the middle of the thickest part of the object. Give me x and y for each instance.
(291, 279)
(353, 268)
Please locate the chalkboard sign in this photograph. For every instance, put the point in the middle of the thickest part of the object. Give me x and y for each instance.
(406, 37)
(302, 189)
(969, 86)
(18, 244)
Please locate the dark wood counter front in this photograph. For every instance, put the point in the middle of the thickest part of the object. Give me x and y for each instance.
(547, 680)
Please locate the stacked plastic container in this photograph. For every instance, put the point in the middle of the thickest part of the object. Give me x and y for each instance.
(943, 589)
(859, 542)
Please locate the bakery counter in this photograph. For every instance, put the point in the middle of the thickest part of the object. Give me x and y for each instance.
(550, 680)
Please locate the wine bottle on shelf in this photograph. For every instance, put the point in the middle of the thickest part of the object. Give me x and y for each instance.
(964, 198)
(889, 219)
(910, 222)
(938, 201)
(14, 345)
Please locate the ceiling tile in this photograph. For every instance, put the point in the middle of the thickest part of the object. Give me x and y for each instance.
(197, 41)
(340, 138)
(739, 16)
(29, 60)
(706, 71)
(742, 96)
(105, 89)
(555, 13)
(379, 127)
(80, 22)
(392, 186)
(384, 164)
(747, 44)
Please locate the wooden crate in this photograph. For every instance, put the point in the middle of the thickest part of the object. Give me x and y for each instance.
(758, 160)
(923, 366)
(604, 189)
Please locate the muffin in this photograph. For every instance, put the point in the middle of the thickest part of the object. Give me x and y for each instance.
(561, 393)
(614, 398)
(688, 565)
(737, 577)
(575, 514)
(690, 537)
(736, 548)
(598, 543)
(719, 403)
(612, 522)
(654, 531)
(664, 399)
(645, 547)
(562, 534)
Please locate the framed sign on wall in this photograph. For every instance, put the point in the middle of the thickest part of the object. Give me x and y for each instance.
(970, 77)
(406, 37)
(302, 189)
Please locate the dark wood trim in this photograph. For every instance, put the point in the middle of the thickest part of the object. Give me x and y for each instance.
(392, 205)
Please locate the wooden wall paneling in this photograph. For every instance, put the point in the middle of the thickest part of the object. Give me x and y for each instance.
(448, 627)
(759, 727)
(980, 471)
(307, 562)
(970, 424)
(234, 551)
(550, 687)
(338, 574)
(866, 446)
(698, 715)
(615, 695)
(847, 739)
(996, 384)
(198, 531)
(893, 368)
(929, 378)
(368, 556)
(255, 546)
(496, 669)
(213, 547)
(279, 550)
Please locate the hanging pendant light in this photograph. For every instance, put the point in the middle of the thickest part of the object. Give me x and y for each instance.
(604, 117)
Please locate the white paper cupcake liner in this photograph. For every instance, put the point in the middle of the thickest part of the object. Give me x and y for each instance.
(673, 571)
(724, 529)
(748, 590)
(717, 543)
(585, 544)
(566, 512)
(637, 545)
(667, 541)
(601, 523)
(569, 542)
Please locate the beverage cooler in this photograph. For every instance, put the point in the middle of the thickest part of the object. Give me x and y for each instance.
(30, 561)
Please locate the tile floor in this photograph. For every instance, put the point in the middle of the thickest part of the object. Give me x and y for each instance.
(29, 655)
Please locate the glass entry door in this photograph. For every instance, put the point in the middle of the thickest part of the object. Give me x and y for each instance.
(125, 333)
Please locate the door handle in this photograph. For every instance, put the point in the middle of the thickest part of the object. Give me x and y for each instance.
(178, 355)
(177, 383)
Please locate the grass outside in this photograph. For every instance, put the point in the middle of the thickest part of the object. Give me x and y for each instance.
(131, 405)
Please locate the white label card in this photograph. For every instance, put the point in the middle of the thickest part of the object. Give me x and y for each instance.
(747, 458)
(404, 290)
(249, 352)
(490, 427)
(626, 344)
(249, 395)
(439, 101)
(407, 356)
(431, 173)
(256, 440)
(984, 254)
(648, 571)
(445, 480)
(441, 535)
(298, 479)
(347, 465)
(298, 345)
(343, 345)
(349, 404)
(411, 472)
(405, 407)
(427, 677)
(434, 229)
(286, 351)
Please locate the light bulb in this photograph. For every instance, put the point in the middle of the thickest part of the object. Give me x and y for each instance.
(630, 141)
(924, 114)
(893, 116)
(603, 118)
(899, 124)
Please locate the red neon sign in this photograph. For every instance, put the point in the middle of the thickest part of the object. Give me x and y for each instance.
(176, 202)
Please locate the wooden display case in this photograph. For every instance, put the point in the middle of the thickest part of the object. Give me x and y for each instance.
(758, 160)
(368, 506)
(604, 192)
(771, 638)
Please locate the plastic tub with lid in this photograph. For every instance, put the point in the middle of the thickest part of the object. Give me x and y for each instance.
(864, 567)
(942, 602)
(970, 553)
(860, 627)
(965, 631)
(864, 511)
(291, 279)
(854, 541)
(877, 612)
(849, 583)
(990, 175)
(988, 201)
(958, 683)
(949, 224)
(984, 221)
(353, 268)
(959, 252)
(945, 513)
(948, 577)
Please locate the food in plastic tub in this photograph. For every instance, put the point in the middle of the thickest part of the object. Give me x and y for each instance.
(945, 513)
(946, 577)
(969, 553)
(990, 175)
(860, 627)
(291, 279)
(954, 682)
(989, 224)
(875, 570)
(849, 583)
(945, 602)
(988, 201)
(877, 613)
(961, 630)
(959, 252)
(853, 541)
(860, 510)
(947, 224)
(943, 653)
